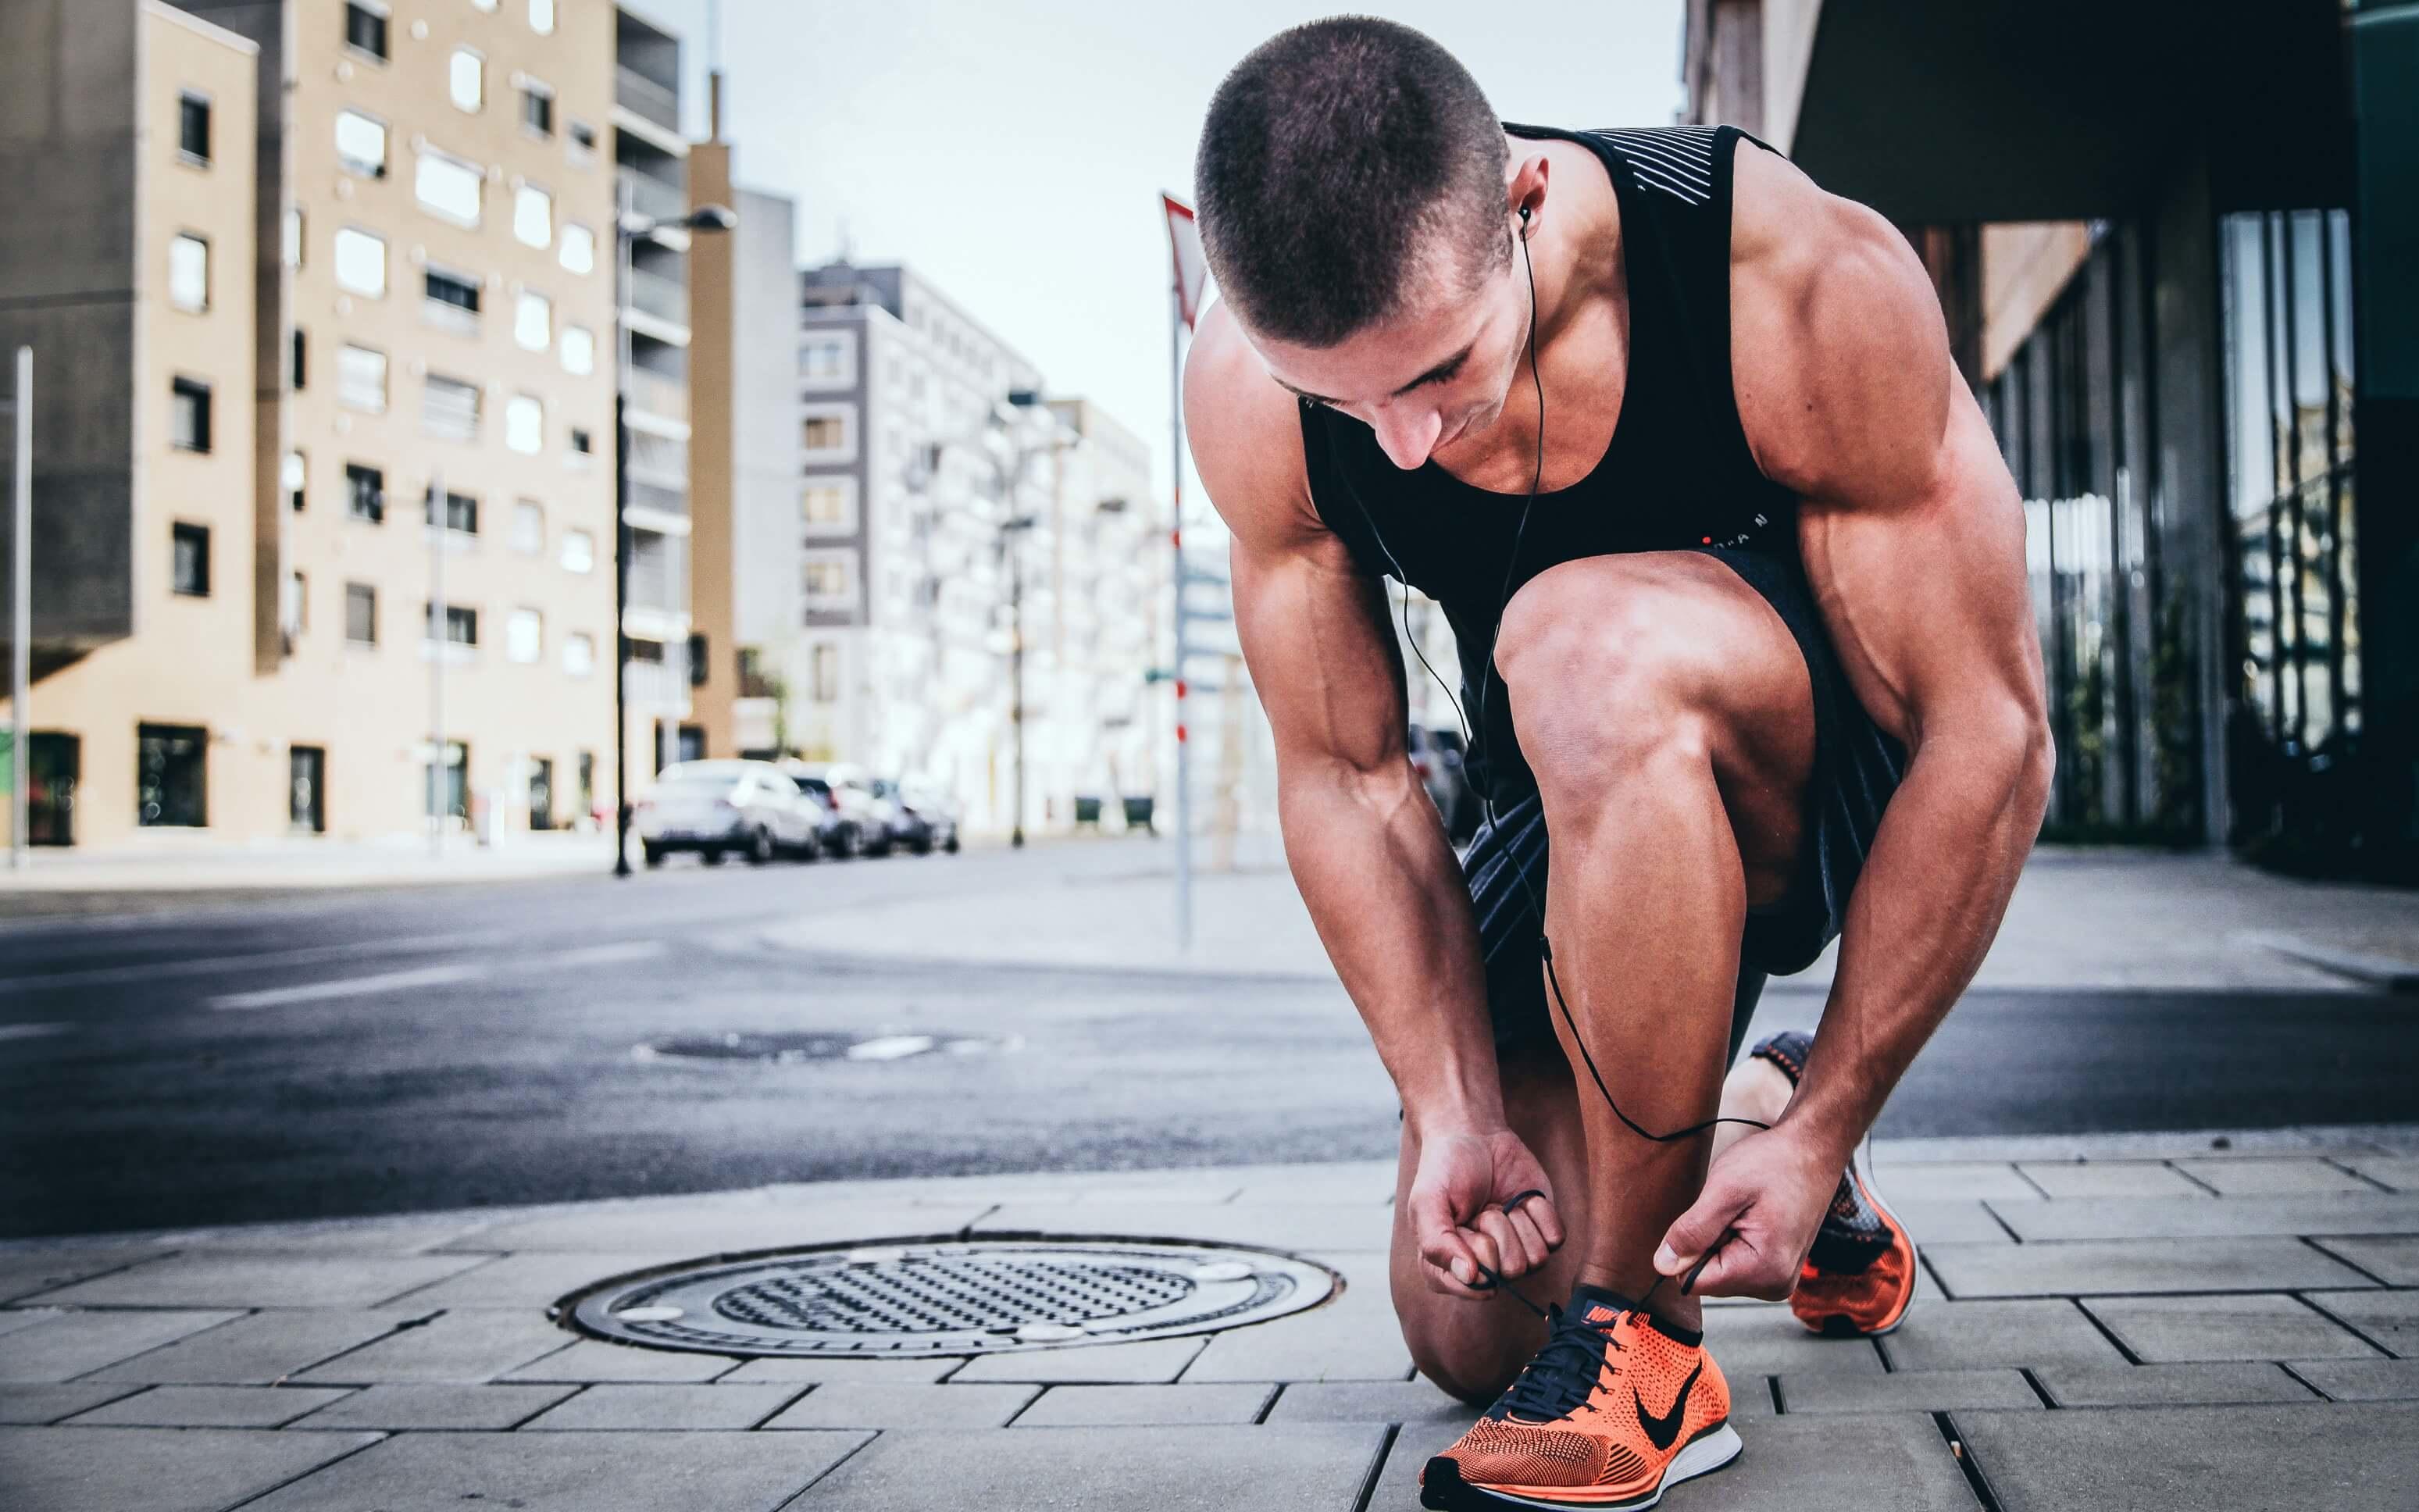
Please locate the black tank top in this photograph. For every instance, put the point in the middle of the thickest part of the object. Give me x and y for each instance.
(1676, 476)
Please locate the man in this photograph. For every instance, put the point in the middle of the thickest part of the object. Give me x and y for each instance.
(1737, 576)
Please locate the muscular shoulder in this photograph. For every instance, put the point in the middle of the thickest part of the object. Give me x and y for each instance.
(1245, 434)
(1837, 351)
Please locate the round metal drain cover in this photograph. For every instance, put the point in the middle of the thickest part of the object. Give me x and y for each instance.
(793, 1049)
(975, 1297)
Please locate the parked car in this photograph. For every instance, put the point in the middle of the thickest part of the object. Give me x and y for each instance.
(1436, 756)
(863, 820)
(718, 806)
(935, 816)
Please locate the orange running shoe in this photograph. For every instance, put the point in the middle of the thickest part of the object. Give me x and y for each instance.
(1615, 1408)
(1859, 1277)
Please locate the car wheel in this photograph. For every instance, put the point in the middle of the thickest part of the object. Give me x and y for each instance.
(844, 844)
(760, 847)
(921, 845)
(652, 855)
(951, 844)
(712, 856)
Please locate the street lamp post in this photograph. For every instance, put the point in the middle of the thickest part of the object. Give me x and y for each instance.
(627, 228)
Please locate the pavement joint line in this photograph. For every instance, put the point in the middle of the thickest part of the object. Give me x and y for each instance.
(2355, 1266)
(786, 1403)
(377, 1437)
(1386, 1442)
(2039, 1389)
(2344, 1323)
(2025, 1176)
(2307, 1384)
(2105, 1332)
(2196, 1180)
(1269, 1406)
(1963, 1452)
(799, 1501)
(2006, 1227)
(2356, 1175)
(1780, 1397)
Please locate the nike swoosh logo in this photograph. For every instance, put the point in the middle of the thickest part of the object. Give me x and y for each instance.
(1662, 1430)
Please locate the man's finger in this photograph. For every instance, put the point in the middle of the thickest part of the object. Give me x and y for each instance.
(1511, 1250)
(1452, 1268)
(1735, 1268)
(1695, 1232)
(1540, 1211)
(1531, 1239)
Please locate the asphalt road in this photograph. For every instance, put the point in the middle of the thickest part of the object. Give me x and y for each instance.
(383, 1052)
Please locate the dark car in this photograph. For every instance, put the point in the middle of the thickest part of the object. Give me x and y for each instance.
(1436, 756)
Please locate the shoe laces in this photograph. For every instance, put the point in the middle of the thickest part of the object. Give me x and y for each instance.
(1564, 1376)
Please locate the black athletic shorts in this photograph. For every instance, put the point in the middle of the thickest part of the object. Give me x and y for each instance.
(1857, 767)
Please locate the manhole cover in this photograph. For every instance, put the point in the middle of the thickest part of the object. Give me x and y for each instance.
(793, 1049)
(978, 1297)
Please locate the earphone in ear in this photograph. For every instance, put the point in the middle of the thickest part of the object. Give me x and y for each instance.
(1524, 215)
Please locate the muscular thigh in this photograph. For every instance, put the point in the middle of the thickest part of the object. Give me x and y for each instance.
(1591, 648)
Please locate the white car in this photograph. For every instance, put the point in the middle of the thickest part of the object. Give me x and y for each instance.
(716, 808)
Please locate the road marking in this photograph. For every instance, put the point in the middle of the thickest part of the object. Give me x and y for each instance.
(206, 966)
(312, 992)
(32, 1032)
(605, 955)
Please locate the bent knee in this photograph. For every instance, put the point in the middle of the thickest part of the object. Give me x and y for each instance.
(1463, 1375)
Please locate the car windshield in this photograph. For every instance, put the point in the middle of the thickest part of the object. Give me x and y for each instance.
(815, 785)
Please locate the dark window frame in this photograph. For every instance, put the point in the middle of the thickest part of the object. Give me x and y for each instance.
(357, 474)
(364, 594)
(154, 746)
(193, 110)
(195, 393)
(370, 38)
(195, 583)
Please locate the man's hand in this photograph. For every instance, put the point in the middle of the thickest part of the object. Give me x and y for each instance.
(1761, 1202)
(1457, 1208)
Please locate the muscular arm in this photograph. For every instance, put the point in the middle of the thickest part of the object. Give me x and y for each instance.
(1364, 843)
(1914, 541)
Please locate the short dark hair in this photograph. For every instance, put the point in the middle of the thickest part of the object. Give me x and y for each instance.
(1334, 156)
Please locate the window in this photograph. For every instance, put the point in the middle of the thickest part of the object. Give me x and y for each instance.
(360, 615)
(578, 252)
(194, 128)
(538, 107)
(365, 28)
(583, 141)
(541, 16)
(698, 651)
(825, 361)
(534, 321)
(361, 143)
(293, 240)
(188, 271)
(294, 475)
(524, 635)
(189, 416)
(582, 443)
(533, 215)
(366, 493)
(829, 581)
(578, 552)
(461, 511)
(483, 4)
(825, 433)
(449, 409)
(450, 299)
(462, 625)
(524, 425)
(579, 350)
(298, 359)
(579, 654)
(361, 262)
(449, 187)
(169, 765)
(466, 79)
(827, 508)
(360, 378)
(528, 526)
(294, 610)
(826, 672)
(191, 574)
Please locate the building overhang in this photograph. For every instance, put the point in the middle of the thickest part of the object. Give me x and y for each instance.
(2039, 110)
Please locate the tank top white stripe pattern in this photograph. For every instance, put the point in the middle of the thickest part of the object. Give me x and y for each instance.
(1677, 160)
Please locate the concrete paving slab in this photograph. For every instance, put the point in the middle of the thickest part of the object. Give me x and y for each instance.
(2400, 1172)
(159, 1470)
(1928, 1391)
(13, 1318)
(2292, 1176)
(596, 1359)
(1942, 1335)
(2157, 1458)
(2392, 1258)
(69, 1343)
(2109, 1178)
(1077, 1407)
(1150, 1361)
(237, 1280)
(409, 1235)
(428, 1405)
(1965, 1180)
(30, 1272)
(32, 1405)
(666, 1409)
(906, 1407)
(2254, 1327)
(1370, 1401)
(2362, 1380)
(2387, 1319)
(211, 1407)
(1399, 1479)
(259, 1349)
(1772, 1342)
(534, 1280)
(1302, 1467)
(730, 1227)
(468, 1344)
(1948, 1220)
(1356, 1337)
(843, 1372)
(567, 1473)
(2342, 1213)
(1296, 1227)
(1889, 1462)
(2153, 1265)
(2204, 1384)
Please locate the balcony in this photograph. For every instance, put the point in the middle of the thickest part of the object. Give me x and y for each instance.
(650, 198)
(646, 99)
(659, 460)
(666, 299)
(655, 396)
(658, 498)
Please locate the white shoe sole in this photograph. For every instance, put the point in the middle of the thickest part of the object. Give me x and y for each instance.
(1702, 1458)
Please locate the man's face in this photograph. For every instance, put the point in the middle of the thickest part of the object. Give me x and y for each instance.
(1439, 372)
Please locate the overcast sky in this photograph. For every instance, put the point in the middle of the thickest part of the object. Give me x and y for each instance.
(1013, 151)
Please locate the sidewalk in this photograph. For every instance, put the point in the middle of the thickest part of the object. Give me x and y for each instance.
(197, 864)
(2134, 1323)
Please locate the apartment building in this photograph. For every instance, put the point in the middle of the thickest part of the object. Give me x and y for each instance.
(322, 522)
